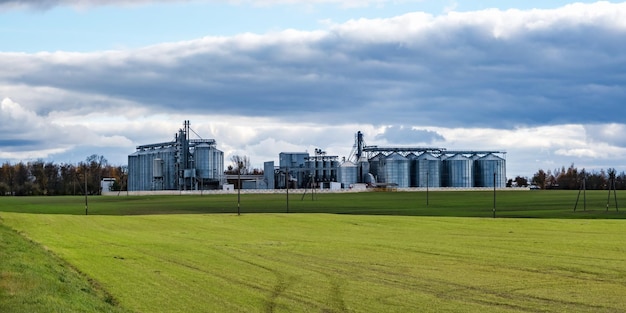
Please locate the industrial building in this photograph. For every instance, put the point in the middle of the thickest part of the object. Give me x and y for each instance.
(181, 164)
(405, 167)
(399, 167)
(197, 164)
(301, 170)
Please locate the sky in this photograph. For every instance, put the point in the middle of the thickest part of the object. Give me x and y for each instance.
(544, 81)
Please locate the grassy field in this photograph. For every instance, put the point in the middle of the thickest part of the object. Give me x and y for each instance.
(34, 280)
(376, 255)
(530, 204)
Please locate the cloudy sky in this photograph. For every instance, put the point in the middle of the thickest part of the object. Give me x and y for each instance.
(544, 81)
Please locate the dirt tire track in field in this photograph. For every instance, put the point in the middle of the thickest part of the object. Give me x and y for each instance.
(282, 281)
(279, 289)
(336, 294)
(282, 284)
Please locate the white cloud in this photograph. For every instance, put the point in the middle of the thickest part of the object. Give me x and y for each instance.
(27, 135)
(484, 67)
(612, 133)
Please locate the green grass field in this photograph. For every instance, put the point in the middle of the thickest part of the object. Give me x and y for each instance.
(382, 252)
(527, 204)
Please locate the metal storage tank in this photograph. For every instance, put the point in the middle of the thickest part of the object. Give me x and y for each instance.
(157, 168)
(178, 167)
(268, 174)
(376, 168)
(428, 170)
(209, 161)
(146, 167)
(442, 179)
(363, 169)
(204, 160)
(396, 170)
(157, 174)
(348, 174)
(168, 155)
(218, 163)
(413, 170)
(133, 175)
(458, 171)
(486, 167)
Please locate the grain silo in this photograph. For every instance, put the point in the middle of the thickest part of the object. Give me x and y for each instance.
(348, 174)
(396, 170)
(413, 170)
(428, 170)
(458, 171)
(432, 167)
(376, 167)
(208, 161)
(183, 164)
(489, 168)
(149, 169)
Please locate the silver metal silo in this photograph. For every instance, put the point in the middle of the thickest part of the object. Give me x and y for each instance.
(348, 174)
(458, 171)
(488, 167)
(429, 170)
(396, 170)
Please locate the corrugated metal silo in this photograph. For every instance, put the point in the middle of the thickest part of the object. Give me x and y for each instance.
(348, 174)
(209, 161)
(488, 166)
(396, 170)
(363, 169)
(442, 178)
(218, 163)
(377, 164)
(429, 170)
(133, 173)
(147, 166)
(458, 171)
(203, 157)
(170, 165)
(168, 155)
(413, 170)
(145, 170)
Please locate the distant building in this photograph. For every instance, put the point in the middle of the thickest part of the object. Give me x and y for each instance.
(182, 164)
(302, 170)
(106, 184)
(424, 167)
(398, 167)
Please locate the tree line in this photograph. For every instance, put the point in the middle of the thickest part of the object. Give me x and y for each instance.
(38, 178)
(572, 178)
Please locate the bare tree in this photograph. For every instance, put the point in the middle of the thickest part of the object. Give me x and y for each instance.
(241, 164)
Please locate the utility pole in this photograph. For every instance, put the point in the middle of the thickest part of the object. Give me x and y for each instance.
(86, 204)
(239, 188)
(494, 194)
(612, 186)
(582, 188)
(427, 183)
